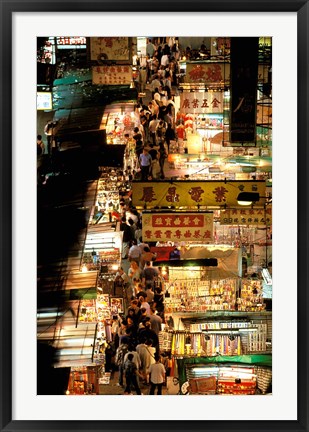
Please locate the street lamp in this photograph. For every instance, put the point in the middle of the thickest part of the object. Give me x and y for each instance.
(248, 198)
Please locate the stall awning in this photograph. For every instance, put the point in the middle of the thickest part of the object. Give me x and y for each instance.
(206, 262)
(256, 359)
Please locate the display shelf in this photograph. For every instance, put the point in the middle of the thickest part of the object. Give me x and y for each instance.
(191, 291)
(212, 314)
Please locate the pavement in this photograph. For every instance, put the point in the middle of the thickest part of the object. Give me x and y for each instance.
(113, 389)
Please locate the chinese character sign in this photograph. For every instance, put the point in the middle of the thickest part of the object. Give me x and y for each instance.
(189, 227)
(109, 48)
(112, 75)
(206, 102)
(246, 216)
(208, 73)
(194, 193)
(76, 40)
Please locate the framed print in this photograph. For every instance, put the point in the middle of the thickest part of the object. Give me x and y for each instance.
(39, 247)
(116, 305)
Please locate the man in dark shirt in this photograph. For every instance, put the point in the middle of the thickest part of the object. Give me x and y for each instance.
(145, 332)
(127, 237)
(149, 274)
(131, 373)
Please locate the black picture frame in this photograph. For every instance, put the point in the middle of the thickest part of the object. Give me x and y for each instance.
(7, 9)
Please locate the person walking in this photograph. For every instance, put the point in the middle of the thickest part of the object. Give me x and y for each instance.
(145, 163)
(134, 252)
(169, 136)
(149, 274)
(119, 359)
(146, 256)
(150, 48)
(147, 356)
(131, 374)
(152, 129)
(155, 321)
(146, 333)
(40, 146)
(136, 358)
(157, 376)
(134, 272)
(162, 158)
(127, 237)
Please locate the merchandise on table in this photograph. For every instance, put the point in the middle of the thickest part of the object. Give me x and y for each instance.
(226, 379)
(88, 311)
(251, 298)
(236, 381)
(83, 381)
(107, 204)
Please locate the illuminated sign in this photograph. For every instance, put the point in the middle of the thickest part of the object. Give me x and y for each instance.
(185, 193)
(201, 102)
(215, 73)
(212, 73)
(44, 101)
(182, 226)
(68, 42)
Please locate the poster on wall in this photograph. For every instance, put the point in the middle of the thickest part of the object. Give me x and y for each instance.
(117, 305)
(178, 226)
(109, 48)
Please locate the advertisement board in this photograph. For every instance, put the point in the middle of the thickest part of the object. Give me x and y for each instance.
(44, 101)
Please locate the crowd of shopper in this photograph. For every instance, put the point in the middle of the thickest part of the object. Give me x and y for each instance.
(135, 339)
(155, 122)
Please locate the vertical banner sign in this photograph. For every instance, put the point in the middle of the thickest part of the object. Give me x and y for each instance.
(244, 76)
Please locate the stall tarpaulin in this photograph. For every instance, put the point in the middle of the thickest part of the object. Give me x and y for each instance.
(184, 193)
(182, 226)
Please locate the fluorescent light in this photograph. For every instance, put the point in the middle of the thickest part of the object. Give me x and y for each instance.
(244, 203)
(227, 331)
(267, 277)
